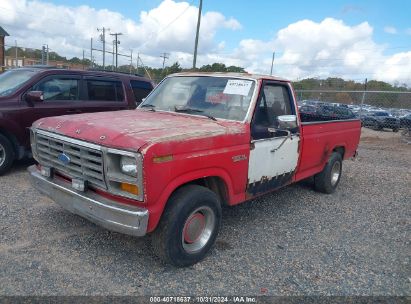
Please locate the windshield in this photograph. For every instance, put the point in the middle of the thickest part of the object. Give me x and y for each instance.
(214, 97)
(12, 80)
(381, 114)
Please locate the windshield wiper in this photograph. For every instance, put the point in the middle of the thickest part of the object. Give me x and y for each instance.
(148, 106)
(191, 110)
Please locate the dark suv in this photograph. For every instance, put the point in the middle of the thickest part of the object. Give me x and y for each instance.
(380, 120)
(27, 94)
(325, 112)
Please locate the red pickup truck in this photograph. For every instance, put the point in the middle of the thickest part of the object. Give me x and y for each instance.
(198, 142)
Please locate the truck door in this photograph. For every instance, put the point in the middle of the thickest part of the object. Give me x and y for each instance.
(274, 151)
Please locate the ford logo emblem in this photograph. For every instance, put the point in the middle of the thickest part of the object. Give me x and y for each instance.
(64, 159)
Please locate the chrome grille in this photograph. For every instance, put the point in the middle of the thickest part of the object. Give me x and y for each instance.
(85, 163)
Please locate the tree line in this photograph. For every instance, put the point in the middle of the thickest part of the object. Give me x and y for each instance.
(330, 83)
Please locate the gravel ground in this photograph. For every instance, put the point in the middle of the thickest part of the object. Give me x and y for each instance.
(293, 242)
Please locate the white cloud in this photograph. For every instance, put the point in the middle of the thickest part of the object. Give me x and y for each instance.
(395, 68)
(303, 49)
(67, 30)
(390, 30)
(329, 48)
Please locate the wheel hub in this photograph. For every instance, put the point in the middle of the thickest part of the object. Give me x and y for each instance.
(2, 155)
(335, 173)
(194, 227)
(198, 229)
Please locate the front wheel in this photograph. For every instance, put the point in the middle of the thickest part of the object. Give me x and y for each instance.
(7, 154)
(327, 180)
(188, 227)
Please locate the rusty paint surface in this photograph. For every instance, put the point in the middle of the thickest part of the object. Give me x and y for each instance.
(135, 129)
(267, 184)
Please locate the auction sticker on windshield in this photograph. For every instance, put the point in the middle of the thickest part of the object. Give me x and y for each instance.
(237, 87)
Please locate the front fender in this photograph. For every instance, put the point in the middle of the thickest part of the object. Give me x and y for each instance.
(156, 208)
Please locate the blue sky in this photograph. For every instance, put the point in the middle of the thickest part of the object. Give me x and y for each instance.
(261, 19)
(349, 39)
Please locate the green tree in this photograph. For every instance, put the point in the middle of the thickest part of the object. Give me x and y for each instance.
(174, 68)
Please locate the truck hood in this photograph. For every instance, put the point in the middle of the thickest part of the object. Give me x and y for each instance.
(136, 129)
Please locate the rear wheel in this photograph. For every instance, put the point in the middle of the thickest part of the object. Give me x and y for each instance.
(377, 126)
(327, 180)
(188, 227)
(7, 154)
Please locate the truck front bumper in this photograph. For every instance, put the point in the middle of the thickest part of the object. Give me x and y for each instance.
(114, 216)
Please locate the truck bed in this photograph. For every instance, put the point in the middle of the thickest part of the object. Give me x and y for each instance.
(321, 138)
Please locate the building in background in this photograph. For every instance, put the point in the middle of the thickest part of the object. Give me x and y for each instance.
(3, 34)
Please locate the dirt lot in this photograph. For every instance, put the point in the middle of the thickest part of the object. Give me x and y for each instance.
(293, 242)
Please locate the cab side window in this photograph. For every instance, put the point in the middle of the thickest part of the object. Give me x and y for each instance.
(274, 101)
(59, 89)
(104, 90)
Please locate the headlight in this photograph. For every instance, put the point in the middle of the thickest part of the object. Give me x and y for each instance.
(124, 173)
(128, 165)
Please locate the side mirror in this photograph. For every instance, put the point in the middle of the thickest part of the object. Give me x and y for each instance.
(287, 122)
(35, 96)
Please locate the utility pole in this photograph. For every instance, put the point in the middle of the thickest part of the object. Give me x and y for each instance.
(91, 52)
(82, 62)
(17, 64)
(272, 64)
(113, 55)
(103, 39)
(363, 96)
(197, 33)
(138, 59)
(131, 60)
(164, 56)
(47, 54)
(42, 54)
(117, 42)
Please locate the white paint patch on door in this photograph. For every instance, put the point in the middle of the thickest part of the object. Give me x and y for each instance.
(266, 163)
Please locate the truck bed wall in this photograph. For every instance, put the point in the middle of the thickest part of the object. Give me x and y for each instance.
(319, 139)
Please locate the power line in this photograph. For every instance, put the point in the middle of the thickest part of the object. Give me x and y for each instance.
(168, 25)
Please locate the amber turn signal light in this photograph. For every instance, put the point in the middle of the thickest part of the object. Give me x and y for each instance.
(133, 189)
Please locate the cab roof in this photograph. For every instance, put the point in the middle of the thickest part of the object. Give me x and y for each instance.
(236, 75)
(53, 69)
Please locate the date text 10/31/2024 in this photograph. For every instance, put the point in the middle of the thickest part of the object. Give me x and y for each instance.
(203, 299)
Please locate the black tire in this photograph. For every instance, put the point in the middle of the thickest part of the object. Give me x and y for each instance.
(326, 181)
(7, 154)
(169, 239)
(395, 130)
(377, 126)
